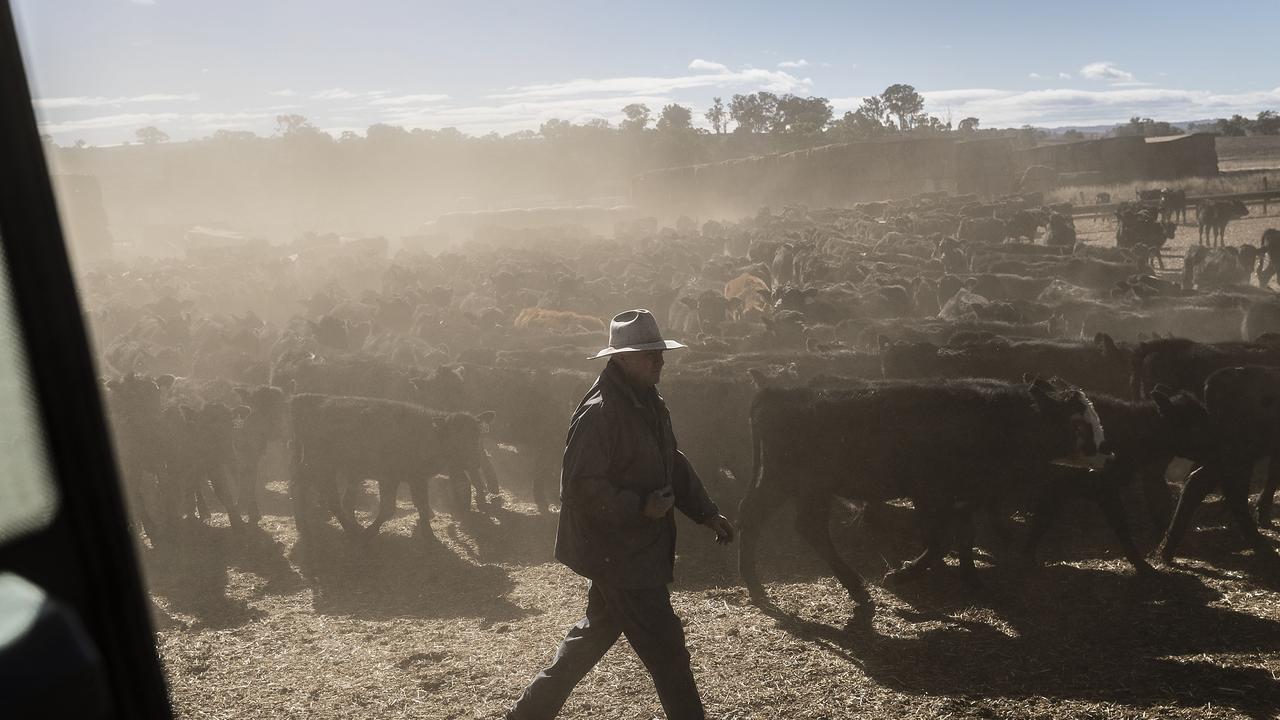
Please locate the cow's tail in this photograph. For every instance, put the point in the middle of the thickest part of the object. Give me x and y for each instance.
(758, 503)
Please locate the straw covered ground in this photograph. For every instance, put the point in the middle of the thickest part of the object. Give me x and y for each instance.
(252, 626)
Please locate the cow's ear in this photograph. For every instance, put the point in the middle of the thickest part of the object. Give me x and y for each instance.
(882, 342)
(1164, 404)
(1106, 342)
(1038, 383)
(112, 384)
(970, 283)
(735, 304)
(241, 411)
(758, 377)
(1041, 393)
(165, 381)
(487, 416)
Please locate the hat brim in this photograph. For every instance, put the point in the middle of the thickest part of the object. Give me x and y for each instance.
(659, 345)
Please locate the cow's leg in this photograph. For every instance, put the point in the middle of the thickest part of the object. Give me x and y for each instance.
(387, 490)
(352, 491)
(813, 522)
(541, 473)
(331, 491)
(1155, 494)
(490, 479)
(933, 524)
(419, 488)
(1198, 485)
(760, 502)
(1235, 491)
(964, 536)
(1042, 518)
(1107, 494)
(222, 481)
(250, 481)
(1267, 496)
(194, 483)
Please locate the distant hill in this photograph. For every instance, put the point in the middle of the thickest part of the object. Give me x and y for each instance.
(1104, 129)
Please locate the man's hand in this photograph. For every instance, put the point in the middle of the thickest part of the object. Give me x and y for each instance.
(659, 502)
(724, 529)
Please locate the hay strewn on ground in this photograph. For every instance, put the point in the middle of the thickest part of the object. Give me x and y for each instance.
(404, 628)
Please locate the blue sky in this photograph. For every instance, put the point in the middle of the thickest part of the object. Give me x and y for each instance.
(103, 68)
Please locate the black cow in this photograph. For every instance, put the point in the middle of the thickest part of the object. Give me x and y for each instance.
(1244, 409)
(201, 455)
(339, 441)
(142, 442)
(1187, 365)
(1213, 215)
(1173, 205)
(1144, 438)
(950, 446)
(266, 426)
(1138, 224)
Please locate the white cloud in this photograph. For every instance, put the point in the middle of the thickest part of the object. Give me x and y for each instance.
(1106, 71)
(1064, 75)
(185, 121)
(73, 102)
(334, 94)
(794, 63)
(285, 93)
(398, 100)
(700, 64)
(124, 120)
(748, 78)
(1034, 75)
(999, 108)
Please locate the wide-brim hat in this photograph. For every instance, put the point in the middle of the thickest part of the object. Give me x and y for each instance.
(635, 331)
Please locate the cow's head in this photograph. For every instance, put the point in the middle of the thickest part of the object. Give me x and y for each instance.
(1074, 428)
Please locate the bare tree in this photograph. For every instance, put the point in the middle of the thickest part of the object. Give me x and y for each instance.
(717, 116)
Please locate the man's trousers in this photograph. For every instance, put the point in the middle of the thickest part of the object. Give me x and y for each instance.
(645, 616)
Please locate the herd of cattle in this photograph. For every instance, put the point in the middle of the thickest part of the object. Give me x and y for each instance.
(938, 348)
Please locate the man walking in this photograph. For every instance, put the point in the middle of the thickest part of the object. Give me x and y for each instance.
(622, 475)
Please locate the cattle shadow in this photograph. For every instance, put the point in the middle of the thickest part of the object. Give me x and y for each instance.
(191, 573)
(1074, 634)
(396, 575)
(503, 536)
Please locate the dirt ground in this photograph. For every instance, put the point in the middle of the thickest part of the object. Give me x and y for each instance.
(252, 626)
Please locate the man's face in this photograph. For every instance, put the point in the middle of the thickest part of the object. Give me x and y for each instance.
(642, 368)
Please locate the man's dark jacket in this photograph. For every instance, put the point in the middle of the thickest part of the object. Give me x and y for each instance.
(620, 449)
